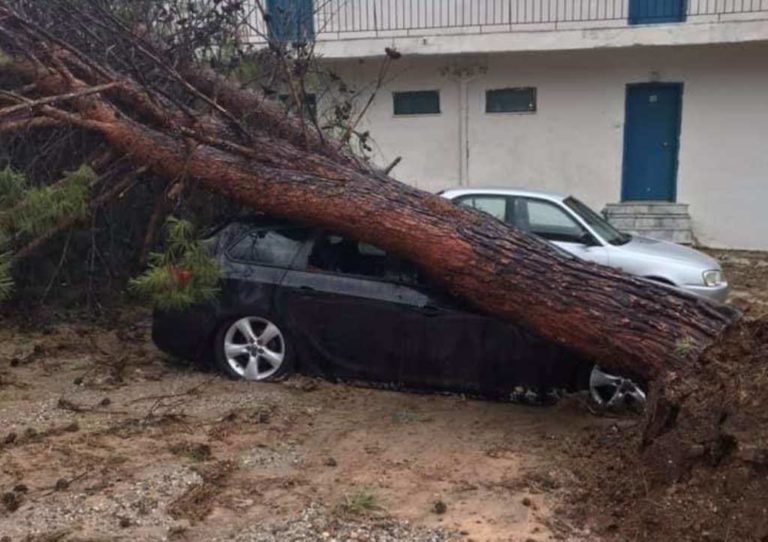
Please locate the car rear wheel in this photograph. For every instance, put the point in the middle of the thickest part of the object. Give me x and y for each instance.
(253, 348)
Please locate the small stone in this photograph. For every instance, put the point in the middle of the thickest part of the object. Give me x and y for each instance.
(439, 507)
(10, 438)
(78, 381)
(106, 402)
(264, 417)
(30, 432)
(11, 501)
(61, 484)
(330, 462)
(526, 501)
(20, 488)
(124, 523)
(72, 428)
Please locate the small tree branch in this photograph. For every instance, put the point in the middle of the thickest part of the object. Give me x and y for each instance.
(391, 166)
(154, 221)
(379, 83)
(31, 123)
(27, 104)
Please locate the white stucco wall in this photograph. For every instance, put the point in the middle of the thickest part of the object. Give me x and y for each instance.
(573, 143)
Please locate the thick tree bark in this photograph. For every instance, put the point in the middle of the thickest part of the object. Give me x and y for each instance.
(623, 323)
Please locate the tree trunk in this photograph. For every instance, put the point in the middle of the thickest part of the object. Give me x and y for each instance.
(240, 146)
(610, 317)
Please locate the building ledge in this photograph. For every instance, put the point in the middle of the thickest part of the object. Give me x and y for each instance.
(552, 37)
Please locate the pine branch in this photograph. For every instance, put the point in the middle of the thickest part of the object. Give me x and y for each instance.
(182, 275)
(70, 221)
(30, 123)
(27, 104)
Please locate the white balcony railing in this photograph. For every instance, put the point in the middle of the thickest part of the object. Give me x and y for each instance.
(345, 19)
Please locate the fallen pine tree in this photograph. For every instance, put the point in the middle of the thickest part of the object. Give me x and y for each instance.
(158, 108)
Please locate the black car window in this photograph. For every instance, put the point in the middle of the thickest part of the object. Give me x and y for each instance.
(336, 254)
(276, 247)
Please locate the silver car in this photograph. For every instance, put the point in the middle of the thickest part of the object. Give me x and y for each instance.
(571, 225)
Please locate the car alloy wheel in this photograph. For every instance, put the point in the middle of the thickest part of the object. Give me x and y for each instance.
(614, 391)
(254, 348)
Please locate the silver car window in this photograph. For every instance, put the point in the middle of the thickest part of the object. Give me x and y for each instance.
(496, 206)
(546, 220)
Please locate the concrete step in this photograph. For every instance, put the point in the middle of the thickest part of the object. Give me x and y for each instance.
(647, 207)
(656, 219)
(650, 221)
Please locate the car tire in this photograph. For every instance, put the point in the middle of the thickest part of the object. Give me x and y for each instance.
(253, 348)
(609, 391)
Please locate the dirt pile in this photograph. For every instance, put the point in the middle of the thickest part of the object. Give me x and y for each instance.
(705, 478)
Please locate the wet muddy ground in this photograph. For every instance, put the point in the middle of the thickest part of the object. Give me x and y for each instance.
(102, 437)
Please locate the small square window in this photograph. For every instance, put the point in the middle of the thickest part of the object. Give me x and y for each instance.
(418, 102)
(510, 100)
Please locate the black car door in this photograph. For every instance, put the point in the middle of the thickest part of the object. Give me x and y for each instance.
(254, 259)
(454, 353)
(462, 350)
(345, 310)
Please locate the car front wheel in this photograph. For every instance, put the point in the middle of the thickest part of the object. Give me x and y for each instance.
(253, 348)
(610, 391)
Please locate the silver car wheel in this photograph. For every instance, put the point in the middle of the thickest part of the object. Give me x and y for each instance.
(614, 391)
(254, 348)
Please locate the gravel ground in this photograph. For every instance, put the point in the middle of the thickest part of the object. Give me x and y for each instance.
(103, 438)
(316, 523)
(140, 505)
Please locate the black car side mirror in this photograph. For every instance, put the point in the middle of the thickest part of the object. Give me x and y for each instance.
(586, 238)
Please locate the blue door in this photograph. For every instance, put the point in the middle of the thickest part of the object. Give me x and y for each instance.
(651, 135)
(291, 20)
(656, 11)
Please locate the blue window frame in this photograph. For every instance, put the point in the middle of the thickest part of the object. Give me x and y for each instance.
(291, 20)
(656, 11)
(510, 100)
(416, 102)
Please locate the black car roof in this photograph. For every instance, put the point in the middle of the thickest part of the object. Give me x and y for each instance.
(252, 219)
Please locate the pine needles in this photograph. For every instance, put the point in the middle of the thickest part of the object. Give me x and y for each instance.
(13, 185)
(27, 212)
(6, 280)
(181, 276)
(40, 209)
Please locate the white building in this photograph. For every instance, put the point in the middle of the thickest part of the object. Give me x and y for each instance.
(660, 106)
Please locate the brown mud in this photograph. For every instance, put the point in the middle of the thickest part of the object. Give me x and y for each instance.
(104, 438)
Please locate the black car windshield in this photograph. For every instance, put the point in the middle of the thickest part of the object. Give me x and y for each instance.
(597, 222)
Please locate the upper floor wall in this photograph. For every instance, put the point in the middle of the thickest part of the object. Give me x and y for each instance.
(363, 28)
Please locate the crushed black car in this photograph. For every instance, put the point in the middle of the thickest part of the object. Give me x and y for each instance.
(300, 299)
